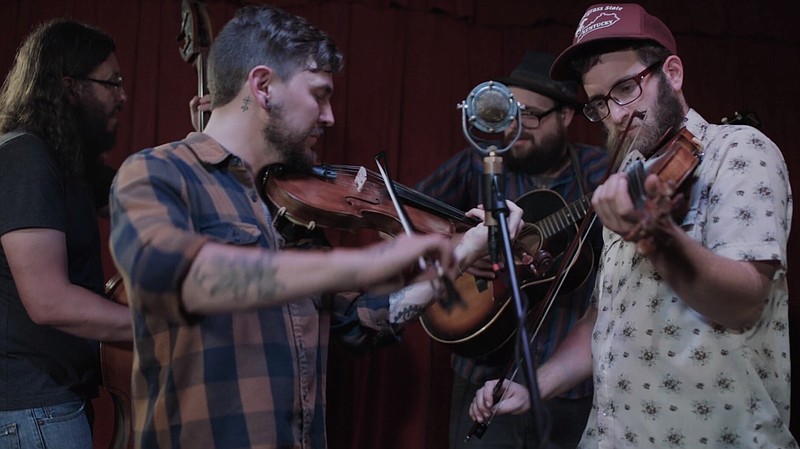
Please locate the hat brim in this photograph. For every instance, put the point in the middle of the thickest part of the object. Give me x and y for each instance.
(539, 88)
(562, 67)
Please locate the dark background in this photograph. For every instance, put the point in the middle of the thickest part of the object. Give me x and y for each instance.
(408, 63)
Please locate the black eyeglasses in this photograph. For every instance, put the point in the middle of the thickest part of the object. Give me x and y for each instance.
(622, 93)
(532, 120)
(115, 85)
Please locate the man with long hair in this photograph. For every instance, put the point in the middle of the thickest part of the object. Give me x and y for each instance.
(58, 114)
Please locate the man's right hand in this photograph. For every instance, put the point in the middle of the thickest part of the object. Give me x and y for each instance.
(515, 401)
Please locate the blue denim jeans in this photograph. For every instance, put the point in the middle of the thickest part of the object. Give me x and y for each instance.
(62, 426)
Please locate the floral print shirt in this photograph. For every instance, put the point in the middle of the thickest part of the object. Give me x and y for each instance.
(664, 375)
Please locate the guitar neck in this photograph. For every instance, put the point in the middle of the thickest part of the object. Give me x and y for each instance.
(568, 216)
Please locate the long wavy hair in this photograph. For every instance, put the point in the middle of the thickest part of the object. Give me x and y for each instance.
(33, 96)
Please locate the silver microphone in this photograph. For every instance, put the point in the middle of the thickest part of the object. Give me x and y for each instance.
(491, 107)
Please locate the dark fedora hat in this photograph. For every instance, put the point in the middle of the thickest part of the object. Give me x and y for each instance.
(533, 74)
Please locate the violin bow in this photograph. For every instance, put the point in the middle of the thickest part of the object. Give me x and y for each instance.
(451, 294)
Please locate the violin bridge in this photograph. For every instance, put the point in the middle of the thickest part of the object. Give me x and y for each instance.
(361, 178)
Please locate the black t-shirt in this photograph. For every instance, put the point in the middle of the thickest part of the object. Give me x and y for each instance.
(40, 365)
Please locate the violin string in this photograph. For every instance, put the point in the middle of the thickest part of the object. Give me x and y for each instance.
(418, 198)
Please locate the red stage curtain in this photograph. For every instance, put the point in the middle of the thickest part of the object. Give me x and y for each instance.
(408, 63)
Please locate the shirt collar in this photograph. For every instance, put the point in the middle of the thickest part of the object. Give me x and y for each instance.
(208, 150)
(695, 124)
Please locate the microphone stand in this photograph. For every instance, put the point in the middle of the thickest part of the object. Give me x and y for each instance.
(495, 205)
(491, 108)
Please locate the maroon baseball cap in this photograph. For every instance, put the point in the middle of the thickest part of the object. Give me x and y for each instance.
(612, 21)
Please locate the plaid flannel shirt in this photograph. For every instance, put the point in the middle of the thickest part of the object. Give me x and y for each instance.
(251, 379)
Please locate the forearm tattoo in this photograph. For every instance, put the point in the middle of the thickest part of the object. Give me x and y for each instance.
(395, 300)
(407, 313)
(239, 279)
(404, 305)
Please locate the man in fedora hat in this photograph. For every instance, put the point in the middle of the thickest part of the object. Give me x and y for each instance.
(687, 336)
(542, 158)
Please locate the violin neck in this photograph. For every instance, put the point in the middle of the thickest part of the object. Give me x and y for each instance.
(420, 200)
(433, 205)
(636, 175)
(674, 162)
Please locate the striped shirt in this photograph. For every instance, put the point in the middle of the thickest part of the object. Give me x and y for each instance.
(459, 183)
(253, 379)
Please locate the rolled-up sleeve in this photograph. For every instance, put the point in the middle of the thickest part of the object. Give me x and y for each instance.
(151, 240)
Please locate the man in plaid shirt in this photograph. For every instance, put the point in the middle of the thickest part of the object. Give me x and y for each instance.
(231, 328)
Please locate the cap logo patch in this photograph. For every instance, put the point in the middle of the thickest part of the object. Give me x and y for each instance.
(593, 22)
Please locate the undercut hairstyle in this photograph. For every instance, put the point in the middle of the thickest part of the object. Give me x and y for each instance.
(265, 35)
(33, 96)
(648, 53)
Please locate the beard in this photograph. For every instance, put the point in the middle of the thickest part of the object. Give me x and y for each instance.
(291, 146)
(667, 115)
(543, 155)
(92, 123)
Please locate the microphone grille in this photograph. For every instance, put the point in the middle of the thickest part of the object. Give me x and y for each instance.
(491, 106)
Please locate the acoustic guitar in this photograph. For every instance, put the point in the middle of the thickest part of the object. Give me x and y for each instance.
(486, 320)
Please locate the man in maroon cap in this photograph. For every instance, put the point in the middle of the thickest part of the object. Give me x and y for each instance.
(687, 336)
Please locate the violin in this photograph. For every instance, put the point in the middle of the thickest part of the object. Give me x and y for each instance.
(673, 162)
(348, 197)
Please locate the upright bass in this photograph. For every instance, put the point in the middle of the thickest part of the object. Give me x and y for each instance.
(116, 364)
(195, 37)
